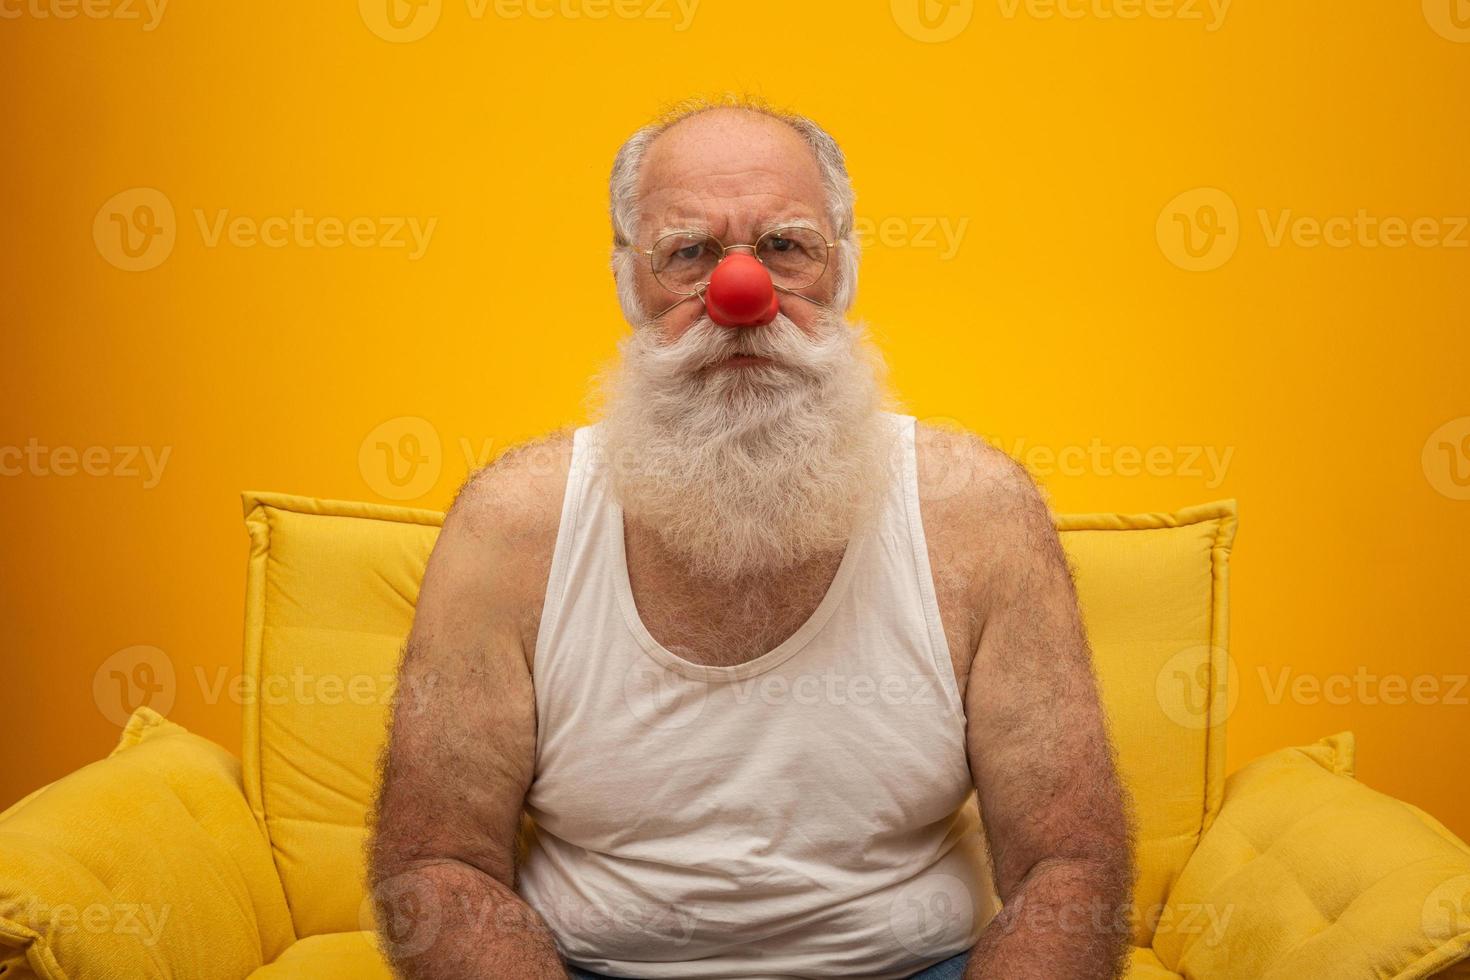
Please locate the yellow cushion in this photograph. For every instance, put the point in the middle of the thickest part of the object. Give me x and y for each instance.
(330, 600)
(1154, 594)
(335, 956)
(145, 864)
(1144, 965)
(1308, 873)
(355, 956)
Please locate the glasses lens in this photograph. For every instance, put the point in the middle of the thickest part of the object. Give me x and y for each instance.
(796, 257)
(683, 260)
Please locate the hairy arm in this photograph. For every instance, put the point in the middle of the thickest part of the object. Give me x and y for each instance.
(1055, 813)
(461, 751)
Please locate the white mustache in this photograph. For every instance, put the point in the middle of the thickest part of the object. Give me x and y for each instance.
(706, 343)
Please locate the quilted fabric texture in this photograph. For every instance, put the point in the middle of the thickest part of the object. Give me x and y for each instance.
(331, 593)
(1154, 594)
(1308, 873)
(145, 864)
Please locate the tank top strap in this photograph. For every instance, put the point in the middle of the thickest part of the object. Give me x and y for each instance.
(908, 486)
(567, 536)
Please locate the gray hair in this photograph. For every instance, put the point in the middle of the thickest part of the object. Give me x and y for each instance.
(623, 203)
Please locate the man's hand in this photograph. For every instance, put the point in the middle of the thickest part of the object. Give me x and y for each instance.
(1054, 812)
(461, 753)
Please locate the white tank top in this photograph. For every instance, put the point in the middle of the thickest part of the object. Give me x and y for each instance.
(808, 813)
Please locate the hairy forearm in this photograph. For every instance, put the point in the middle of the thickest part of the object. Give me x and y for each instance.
(1066, 919)
(446, 920)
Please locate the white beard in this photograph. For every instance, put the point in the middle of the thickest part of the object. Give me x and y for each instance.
(748, 469)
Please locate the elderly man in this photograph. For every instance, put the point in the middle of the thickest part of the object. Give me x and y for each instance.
(747, 651)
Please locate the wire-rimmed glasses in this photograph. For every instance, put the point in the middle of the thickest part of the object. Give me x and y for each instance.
(795, 256)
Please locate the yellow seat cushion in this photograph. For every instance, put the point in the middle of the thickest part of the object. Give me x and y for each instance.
(1312, 874)
(355, 956)
(1154, 590)
(145, 864)
(334, 956)
(1144, 965)
(329, 601)
(330, 597)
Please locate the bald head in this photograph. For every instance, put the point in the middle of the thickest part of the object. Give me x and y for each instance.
(733, 171)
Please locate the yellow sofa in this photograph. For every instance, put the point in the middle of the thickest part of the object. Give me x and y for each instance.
(171, 859)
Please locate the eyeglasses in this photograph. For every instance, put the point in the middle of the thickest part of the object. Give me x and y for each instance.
(683, 261)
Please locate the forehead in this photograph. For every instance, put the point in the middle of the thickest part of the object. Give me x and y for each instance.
(729, 170)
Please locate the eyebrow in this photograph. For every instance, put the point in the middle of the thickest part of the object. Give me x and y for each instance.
(676, 229)
(703, 228)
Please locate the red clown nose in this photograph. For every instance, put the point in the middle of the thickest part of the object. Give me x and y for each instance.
(741, 293)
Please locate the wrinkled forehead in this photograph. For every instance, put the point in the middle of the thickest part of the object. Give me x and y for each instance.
(732, 173)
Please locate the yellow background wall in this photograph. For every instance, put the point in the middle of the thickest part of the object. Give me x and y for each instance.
(1026, 274)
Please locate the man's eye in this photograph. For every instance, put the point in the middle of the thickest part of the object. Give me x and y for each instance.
(782, 244)
(689, 253)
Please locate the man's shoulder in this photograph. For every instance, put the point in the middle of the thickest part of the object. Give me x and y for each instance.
(988, 522)
(517, 497)
(964, 479)
(500, 534)
(508, 512)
